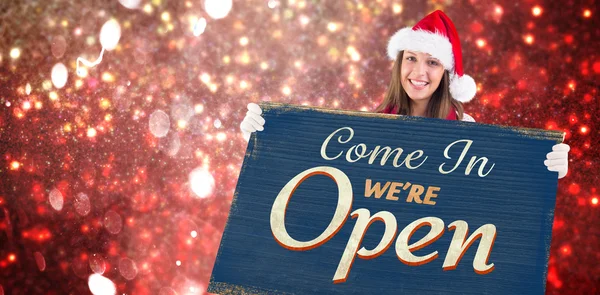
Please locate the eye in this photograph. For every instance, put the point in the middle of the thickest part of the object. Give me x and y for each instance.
(411, 58)
(434, 63)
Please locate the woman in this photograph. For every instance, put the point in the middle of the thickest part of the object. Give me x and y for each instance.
(427, 81)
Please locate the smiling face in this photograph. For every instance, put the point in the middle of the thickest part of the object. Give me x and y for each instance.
(420, 75)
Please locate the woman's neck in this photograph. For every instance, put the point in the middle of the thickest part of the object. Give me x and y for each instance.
(419, 108)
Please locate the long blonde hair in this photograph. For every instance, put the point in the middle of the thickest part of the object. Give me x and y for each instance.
(396, 100)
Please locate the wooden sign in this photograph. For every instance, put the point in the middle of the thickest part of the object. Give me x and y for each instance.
(336, 202)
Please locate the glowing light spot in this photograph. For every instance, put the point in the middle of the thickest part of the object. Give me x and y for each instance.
(178, 263)
(594, 201)
(91, 132)
(245, 58)
(26, 105)
(14, 165)
(194, 234)
(537, 11)
(59, 75)
(217, 123)
(584, 130)
(528, 39)
(304, 20)
(244, 41)
(148, 8)
(100, 285)
(587, 13)
(12, 257)
(104, 103)
(264, 66)
(286, 90)
(38, 105)
(226, 59)
(165, 16)
(28, 89)
(243, 84)
(397, 8)
(498, 10)
(217, 8)
(480, 43)
(273, 3)
(221, 136)
(202, 182)
(199, 108)
(15, 53)
(131, 4)
(332, 27)
(108, 77)
(205, 78)
(199, 27)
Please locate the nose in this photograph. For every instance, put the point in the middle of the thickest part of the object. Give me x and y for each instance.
(420, 68)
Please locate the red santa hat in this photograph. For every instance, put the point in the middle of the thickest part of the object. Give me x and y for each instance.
(435, 34)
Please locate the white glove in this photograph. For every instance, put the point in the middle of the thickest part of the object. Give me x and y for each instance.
(558, 159)
(253, 121)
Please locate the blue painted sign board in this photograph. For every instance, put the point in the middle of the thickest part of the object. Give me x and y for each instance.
(338, 202)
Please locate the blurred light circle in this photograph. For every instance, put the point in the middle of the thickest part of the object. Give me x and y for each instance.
(40, 261)
(113, 222)
(110, 34)
(100, 285)
(199, 27)
(217, 123)
(131, 4)
(56, 199)
(202, 182)
(170, 144)
(273, 3)
(58, 46)
(159, 123)
(97, 264)
(182, 111)
(127, 268)
(59, 75)
(217, 8)
(82, 204)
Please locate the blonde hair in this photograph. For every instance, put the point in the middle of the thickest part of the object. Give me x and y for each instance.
(397, 101)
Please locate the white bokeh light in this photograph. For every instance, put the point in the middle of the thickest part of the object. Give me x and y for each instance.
(131, 4)
(217, 8)
(59, 75)
(202, 182)
(100, 285)
(110, 34)
(56, 199)
(199, 27)
(159, 123)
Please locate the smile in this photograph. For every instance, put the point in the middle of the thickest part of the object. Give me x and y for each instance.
(418, 83)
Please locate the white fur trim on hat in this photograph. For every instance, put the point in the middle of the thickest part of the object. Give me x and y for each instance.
(435, 44)
(462, 88)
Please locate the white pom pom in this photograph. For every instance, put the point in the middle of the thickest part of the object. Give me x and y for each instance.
(463, 88)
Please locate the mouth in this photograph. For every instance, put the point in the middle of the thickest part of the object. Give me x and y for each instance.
(418, 84)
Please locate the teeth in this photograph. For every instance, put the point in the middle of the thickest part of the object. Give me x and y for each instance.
(418, 83)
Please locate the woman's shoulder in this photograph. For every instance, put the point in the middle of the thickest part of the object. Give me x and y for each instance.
(467, 118)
